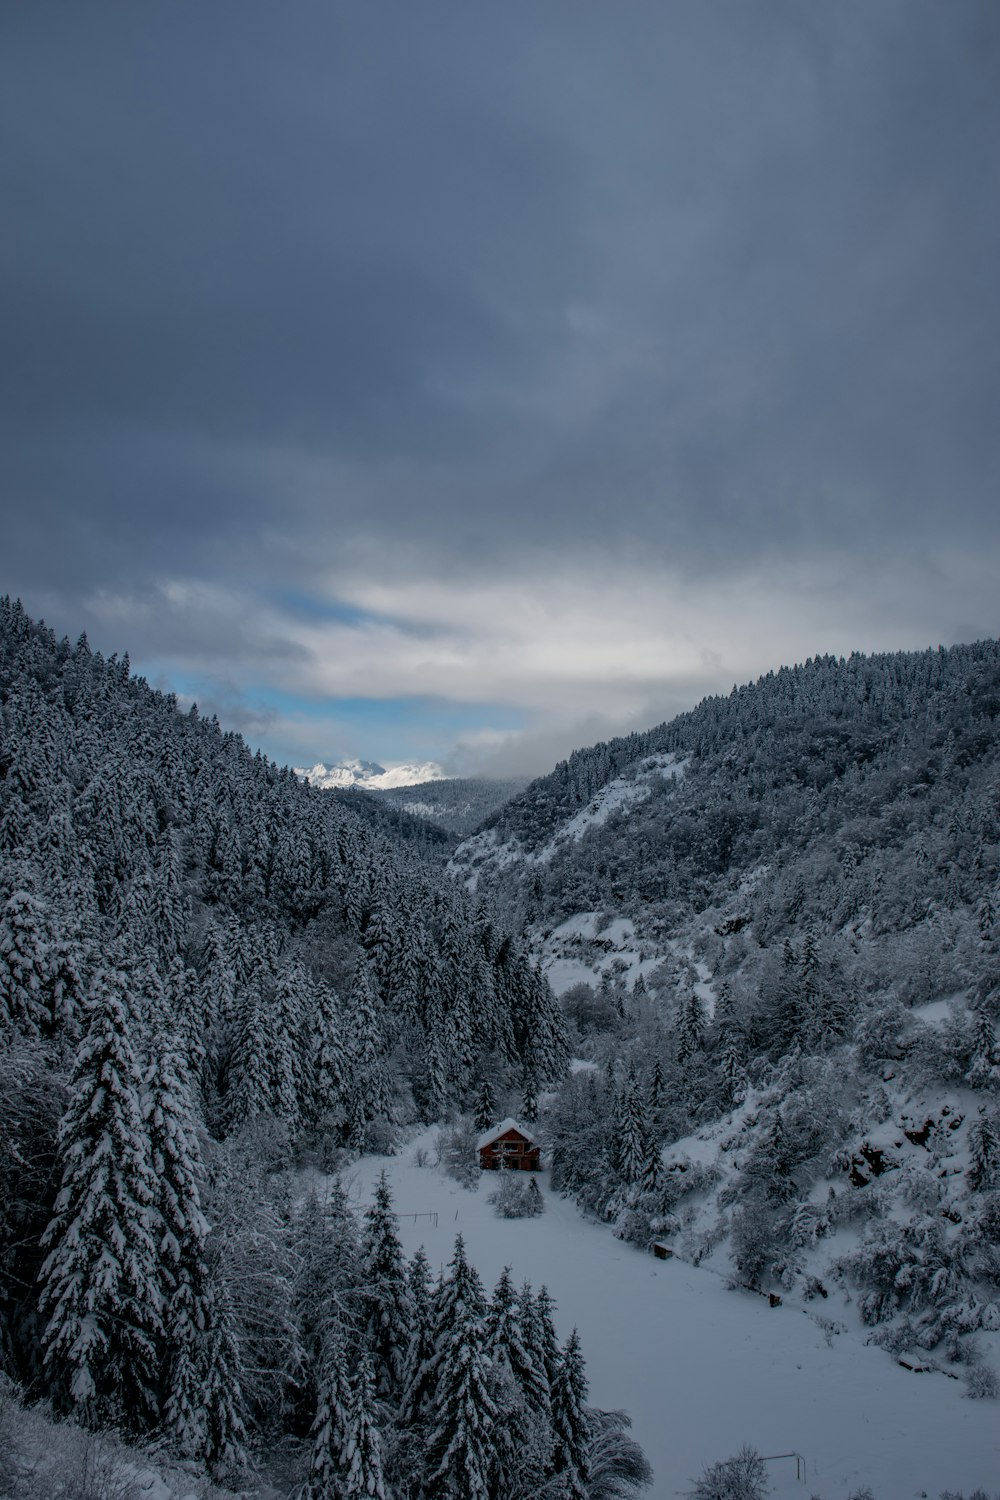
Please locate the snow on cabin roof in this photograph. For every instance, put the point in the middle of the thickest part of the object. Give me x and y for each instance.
(502, 1129)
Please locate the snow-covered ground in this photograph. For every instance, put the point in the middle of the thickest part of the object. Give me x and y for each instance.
(702, 1369)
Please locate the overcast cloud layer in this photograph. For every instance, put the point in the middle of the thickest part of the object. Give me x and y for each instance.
(472, 381)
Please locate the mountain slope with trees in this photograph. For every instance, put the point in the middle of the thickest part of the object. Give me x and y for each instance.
(210, 973)
(775, 923)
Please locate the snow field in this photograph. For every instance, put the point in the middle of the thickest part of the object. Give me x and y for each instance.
(701, 1369)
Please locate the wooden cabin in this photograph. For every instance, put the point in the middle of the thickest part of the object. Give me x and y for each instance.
(509, 1145)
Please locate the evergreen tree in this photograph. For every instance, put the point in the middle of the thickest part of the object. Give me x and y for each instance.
(984, 1152)
(529, 1098)
(330, 1069)
(101, 1281)
(265, 1069)
(539, 1339)
(25, 1005)
(690, 1027)
(417, 1384)
(570, 1423)
(458, 1299)
(485, 1111)
(459, 1445)
(385, 1295)
(330, 1428)
(218, 1435)
(633, 1132)
(361, 1457)
(181, 1228)
(984, 1067)
(547, 1344)
(370, 1084)
(325, 1289)
(504, 1342)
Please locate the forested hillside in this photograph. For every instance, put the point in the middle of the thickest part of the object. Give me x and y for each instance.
(458, 805)
(775, 924)
(210, 972)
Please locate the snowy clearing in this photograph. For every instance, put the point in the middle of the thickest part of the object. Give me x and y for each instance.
(702, 1369)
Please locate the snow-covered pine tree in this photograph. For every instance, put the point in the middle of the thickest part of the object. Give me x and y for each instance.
(529, 1097)
(329, 1074)
(984, 1066)
(325, 1289)
(458, 1295)
(540, 1344)
(24, 966)
(984, 1152)
(459, 1444)
(570, 1422)
(265, 1068)
(218, 1432)
(101, 1281)
(185, 1002)
(385, 1293)
(690, 1027)
(369, 1079)
(330, 1428)
(504, 1343)
(731, 1066)
(633, 1132)
(547, 1344)
(418, 1377)
(181, 1229)
(484, 1111)
(361, 1476)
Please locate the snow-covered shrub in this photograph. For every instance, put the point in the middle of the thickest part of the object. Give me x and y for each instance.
(617, 1465)
(901, 1267)
(456, 1151)
(753, 1241)
(981, 1383)
(515, 1198)
(920, 1188)
(740, 1478)
(379, 1137)
(897, 1337)
(805, 1225)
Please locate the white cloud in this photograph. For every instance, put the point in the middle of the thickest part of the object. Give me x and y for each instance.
(576, 652)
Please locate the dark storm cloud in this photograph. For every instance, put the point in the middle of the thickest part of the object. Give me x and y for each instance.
(318, 296)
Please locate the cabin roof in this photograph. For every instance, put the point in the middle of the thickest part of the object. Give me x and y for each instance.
(502, 1129)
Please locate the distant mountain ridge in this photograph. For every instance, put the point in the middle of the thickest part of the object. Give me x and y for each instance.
(370, 776)
(458, 805)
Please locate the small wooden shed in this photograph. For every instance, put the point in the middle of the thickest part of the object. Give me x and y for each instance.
(509, 1145)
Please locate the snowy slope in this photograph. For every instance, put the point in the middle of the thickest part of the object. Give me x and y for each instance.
(702, 1369)
(486, 854)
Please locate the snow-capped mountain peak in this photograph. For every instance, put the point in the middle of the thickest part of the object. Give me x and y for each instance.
(369, 775)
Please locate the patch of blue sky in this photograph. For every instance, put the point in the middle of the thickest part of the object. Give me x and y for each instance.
(308, 607)
(446, 716)
(399, 728)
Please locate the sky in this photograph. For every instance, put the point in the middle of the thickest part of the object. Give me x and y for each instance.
(472, 382)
